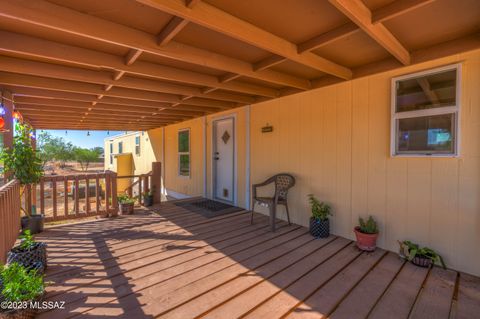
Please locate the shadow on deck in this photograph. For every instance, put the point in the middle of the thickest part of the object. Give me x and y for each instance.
(179, 264)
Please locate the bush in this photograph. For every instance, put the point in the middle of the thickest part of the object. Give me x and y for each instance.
(19, 284)
(125, 199)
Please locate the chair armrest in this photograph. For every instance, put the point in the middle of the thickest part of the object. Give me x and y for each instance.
(264, 183)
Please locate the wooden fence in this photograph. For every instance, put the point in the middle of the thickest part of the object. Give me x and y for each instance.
(9, 217)
(77, 196)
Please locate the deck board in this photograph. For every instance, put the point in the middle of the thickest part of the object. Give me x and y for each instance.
(179, 264)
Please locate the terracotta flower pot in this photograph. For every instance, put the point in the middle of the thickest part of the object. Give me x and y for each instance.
(366, 242)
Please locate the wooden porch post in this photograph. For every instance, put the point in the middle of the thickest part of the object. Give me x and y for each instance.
(157, 182)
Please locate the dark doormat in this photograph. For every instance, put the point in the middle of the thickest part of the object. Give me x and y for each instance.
(208, 208)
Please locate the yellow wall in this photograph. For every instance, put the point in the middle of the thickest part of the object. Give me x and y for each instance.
(335, 140)
(123, 164)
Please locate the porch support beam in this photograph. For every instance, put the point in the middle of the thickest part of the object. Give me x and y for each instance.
(56, 52)
(94, 89)
(268, 62)
(215, 19)
(173, 27)
(397, 8)
(22, 66)
(358, 12)
(45, 14)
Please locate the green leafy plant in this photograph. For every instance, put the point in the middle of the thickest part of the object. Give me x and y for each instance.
(369, 226)
(125, 199)
(411, 250)
(27, 240)
(20, 284)
(148, 193)
(320, 210)
(22, 160)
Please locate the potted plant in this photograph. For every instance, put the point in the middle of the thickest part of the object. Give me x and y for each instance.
(17, 285)
(366, 233)
(148, 198)
(30, 254)
(420, 256)
(23, 163)
(319, 222)
(126, 204)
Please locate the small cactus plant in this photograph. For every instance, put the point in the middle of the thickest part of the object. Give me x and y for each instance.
(368, 227)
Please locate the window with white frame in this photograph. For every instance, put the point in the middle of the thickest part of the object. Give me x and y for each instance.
(137, 145)
(425, 113)
(184, 152)
(120, 147)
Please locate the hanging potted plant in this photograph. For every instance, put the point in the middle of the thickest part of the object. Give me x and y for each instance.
(420, 256)
(319, 222)
(148, 198)
(23, 163)
(30, 254)
(126, 204)
(367, 234)
(19, 285)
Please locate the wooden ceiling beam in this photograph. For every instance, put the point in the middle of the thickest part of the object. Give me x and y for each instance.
(49, 15)
(107, 109)
(132, 56)
(93, 116)
(268, 62)
(328, 37)
(397, 8)
(15, 65)
(94, 89)
(44, 97)
(173, 27)
(229, 77)
(359, 13)
(220, 21)
(56, 52)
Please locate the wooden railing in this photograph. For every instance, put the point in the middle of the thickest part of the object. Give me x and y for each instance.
(9, 217)
(142, 183)
(77, 196)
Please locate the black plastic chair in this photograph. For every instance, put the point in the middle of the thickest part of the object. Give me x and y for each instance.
(283, 182)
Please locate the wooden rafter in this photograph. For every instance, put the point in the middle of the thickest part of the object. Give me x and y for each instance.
(397, 8)
(174, 26)
(132, 56)
(22, 66)
(43, 13)
(93, 89)
(56, 52)
(213, 18)
(328, 37)
(268, 62)
(358, 12)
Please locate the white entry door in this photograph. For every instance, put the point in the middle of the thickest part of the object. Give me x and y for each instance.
(224, 159)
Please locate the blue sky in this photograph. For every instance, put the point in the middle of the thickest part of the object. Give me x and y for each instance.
(80, 138)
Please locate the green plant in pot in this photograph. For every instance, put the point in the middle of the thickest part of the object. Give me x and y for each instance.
(420, 256)
(367, 234)
(126, 204)
(29, 253)
(319, 222)
(148, 198)
(24, 164)
(18, 284)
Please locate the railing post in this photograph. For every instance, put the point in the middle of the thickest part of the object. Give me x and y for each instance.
(157, 182)
(113, 179)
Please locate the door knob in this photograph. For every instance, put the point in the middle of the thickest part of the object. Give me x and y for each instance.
(216, 158)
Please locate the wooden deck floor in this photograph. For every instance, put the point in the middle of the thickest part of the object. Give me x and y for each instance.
(178, 264)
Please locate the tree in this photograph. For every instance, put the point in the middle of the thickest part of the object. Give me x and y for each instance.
(85, 156)
(22, 160)
(54, 148)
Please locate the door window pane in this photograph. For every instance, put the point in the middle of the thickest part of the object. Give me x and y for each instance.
(427, 91)
(428, 134)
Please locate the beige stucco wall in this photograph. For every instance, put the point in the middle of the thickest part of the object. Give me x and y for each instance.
(336, 140)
